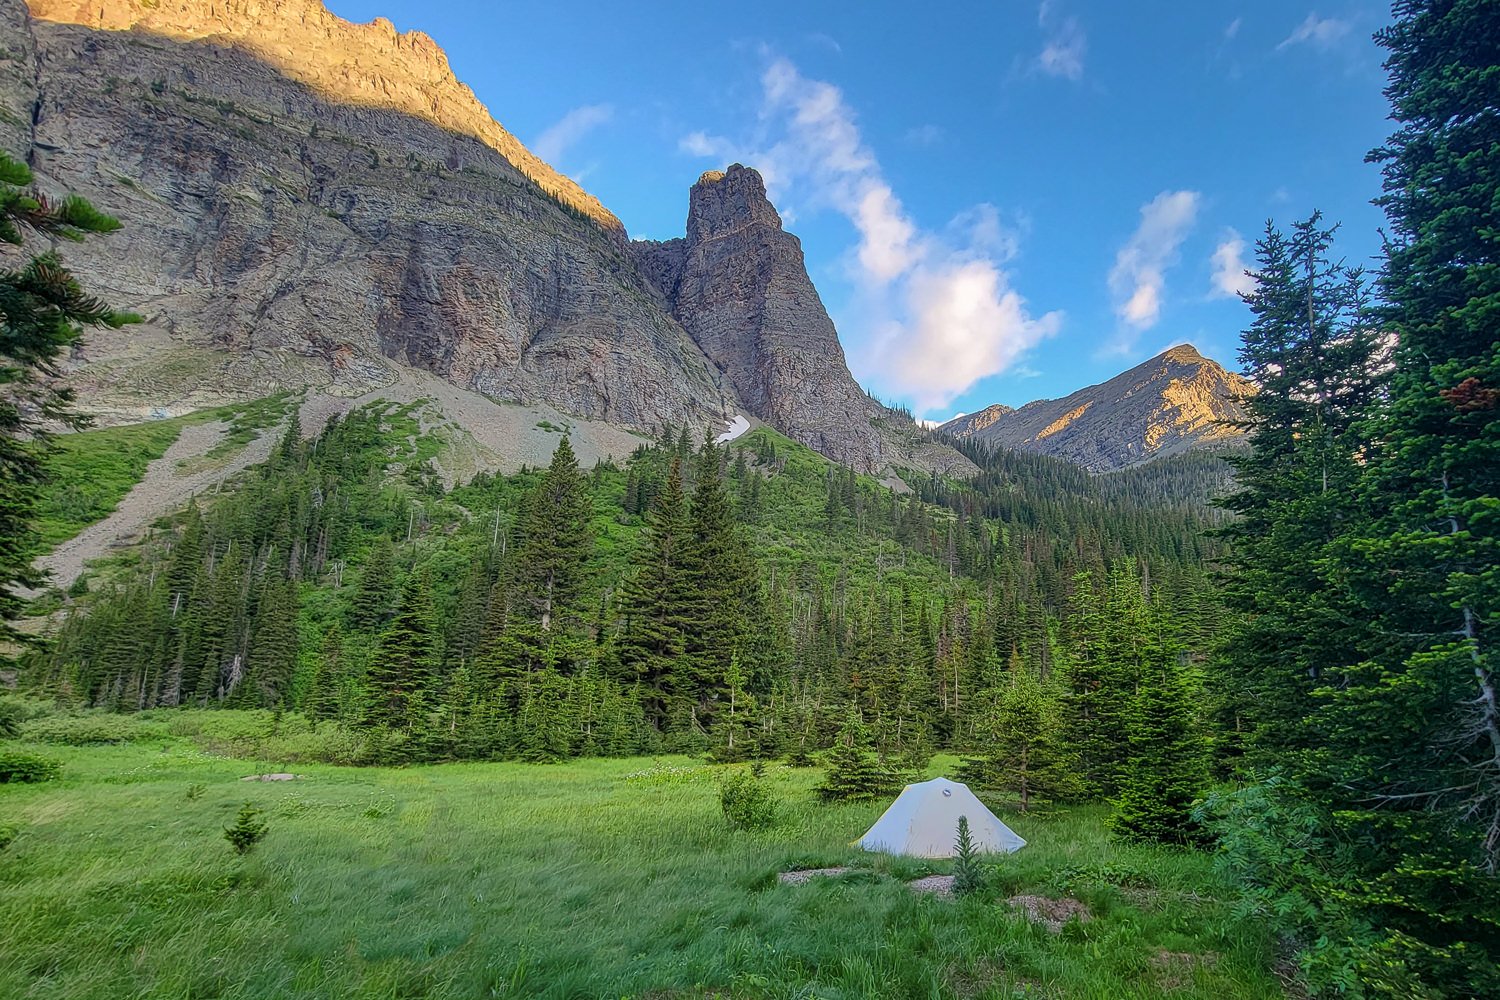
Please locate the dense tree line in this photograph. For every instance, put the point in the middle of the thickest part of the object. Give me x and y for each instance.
(1360, 681)
(740, 601)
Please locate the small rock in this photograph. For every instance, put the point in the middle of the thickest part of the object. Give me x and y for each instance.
(807, 875)
(937, 885)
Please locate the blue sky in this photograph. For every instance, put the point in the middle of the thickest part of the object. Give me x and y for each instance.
(998, 201)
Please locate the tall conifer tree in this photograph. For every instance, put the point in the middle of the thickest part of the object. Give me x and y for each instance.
(403, 671)
(42, 314)
(1311, 351)
(655, 603)
(558, 539)
(721, 582)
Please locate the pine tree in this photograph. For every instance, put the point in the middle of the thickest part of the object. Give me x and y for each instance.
(42, 313)
(1311, 352)
(1167, 769)
(403, 671)
(721, 584)
(545, 719)
(272, 657)
(655, 604)
(1409, 770)
(1113, 631)
(326, 696)
(733, 740)
(1025, 746)
(851, 772)
(558, 539)
(968, 870)
(371, 608)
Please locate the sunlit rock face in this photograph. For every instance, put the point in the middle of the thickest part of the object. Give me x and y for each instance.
(1177, 401)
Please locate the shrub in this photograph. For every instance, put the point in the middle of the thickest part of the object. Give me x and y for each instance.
(746, 801)
(968, 870)
(247, 830)
(7, 835)
(18, 766)
(82, 730)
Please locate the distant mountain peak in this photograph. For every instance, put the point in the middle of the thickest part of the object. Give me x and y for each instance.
(1185, 354)
(725, 201)
(967, 424)
(1174, 402)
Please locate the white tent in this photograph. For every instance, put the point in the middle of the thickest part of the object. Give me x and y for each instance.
(923, 822)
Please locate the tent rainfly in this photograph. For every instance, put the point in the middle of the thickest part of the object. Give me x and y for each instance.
(923, 823)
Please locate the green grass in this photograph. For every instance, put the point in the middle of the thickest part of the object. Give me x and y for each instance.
(578, 880)
(93, 470)
(246, 422)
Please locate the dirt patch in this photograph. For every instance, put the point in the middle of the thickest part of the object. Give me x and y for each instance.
(808, 874)
(1051, 913)
(989, 978)
(282, 776)
(976, 980)
(1174, 969)
(937, 885)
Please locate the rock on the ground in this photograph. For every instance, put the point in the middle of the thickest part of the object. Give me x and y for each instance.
(807, 875)
(937, 885)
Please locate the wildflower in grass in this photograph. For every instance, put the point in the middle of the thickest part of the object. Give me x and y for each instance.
(968, 870)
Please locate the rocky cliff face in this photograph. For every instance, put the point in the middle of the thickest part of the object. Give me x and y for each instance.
(313, 203)
(280, 233)
(738, 284)
(366, 65)
(1176, 401)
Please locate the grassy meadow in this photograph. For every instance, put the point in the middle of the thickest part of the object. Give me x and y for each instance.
(614, 878)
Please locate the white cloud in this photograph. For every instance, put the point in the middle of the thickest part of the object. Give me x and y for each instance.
(1064, 46)
(825, 41)
(1233, 28)
(1229, 277)
(1138, 277)
(936, 309)
(936, 422)
(1320, 32)
(567, 130)
(699, 144)
(981, 230)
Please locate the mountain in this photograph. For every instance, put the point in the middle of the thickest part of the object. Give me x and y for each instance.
(738, 284)
(1177, 401)
(969, 424)
(320, 206)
